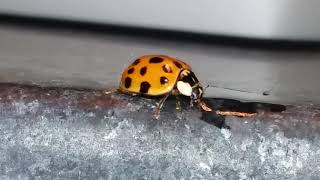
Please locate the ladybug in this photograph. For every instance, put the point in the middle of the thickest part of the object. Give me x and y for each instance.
(161, 75)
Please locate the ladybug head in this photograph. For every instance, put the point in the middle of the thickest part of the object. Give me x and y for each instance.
(188, 85)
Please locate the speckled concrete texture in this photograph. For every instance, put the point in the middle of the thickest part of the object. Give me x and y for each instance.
(64, 133)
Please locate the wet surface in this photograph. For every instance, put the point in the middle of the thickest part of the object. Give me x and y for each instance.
(72, 133)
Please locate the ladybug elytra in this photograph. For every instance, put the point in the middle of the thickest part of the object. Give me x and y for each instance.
(161, 75)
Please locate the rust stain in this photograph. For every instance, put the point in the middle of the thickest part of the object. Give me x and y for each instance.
(77, 97)
(92, 98)
(102, 100)
(206, 108)
(232, 113)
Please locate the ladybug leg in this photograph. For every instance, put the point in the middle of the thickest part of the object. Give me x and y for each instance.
(191, 103)
(160, 104)
(178, 103)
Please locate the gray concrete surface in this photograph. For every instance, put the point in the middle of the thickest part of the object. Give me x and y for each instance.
(63, 133)
(68, 133)
(82, 58)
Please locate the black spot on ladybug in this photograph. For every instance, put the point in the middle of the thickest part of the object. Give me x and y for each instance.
(143, 71)
(136, 62)
(155, 60)
(144, 87)
(127, 82)
(131, 70)
(177, 64)
(163, 80)
(166, 68)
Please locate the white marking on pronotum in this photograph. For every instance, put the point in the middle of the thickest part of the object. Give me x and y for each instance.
(184, 88)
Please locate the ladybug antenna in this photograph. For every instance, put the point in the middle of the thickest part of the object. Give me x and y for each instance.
(204, 89)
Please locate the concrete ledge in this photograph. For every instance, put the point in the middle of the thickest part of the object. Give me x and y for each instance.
(68, 133)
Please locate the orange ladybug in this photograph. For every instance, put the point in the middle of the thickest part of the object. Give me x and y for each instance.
(161, 75)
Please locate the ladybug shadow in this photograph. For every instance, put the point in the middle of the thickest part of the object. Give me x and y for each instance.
(169, 109)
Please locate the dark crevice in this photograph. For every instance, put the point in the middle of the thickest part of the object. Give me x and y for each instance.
(250, 107)
(222, 104)
(214, 119)
(236, 106)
